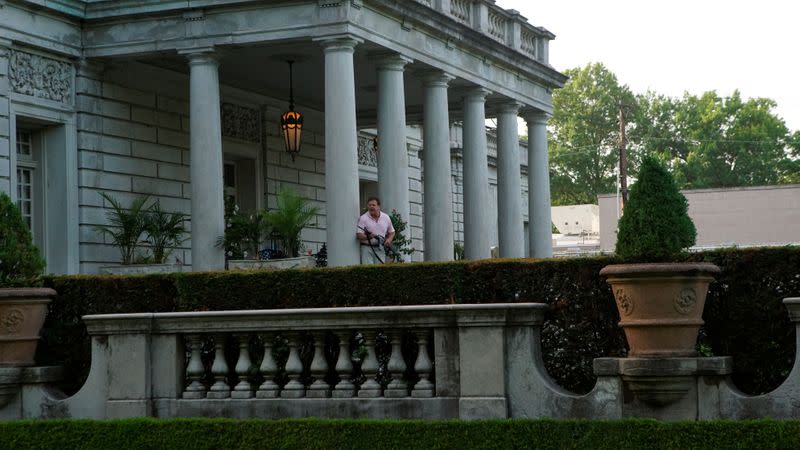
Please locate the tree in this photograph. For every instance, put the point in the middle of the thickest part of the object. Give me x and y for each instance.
(712, 141)
(656, 225)
(584, 136)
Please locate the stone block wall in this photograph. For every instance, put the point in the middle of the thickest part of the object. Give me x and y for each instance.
(132, 141)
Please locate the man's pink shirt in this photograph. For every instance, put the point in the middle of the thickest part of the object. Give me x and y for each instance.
(380, 227)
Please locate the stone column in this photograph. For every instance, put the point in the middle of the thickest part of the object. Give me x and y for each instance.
(476, 177)
(208, 206)
(5, 118)
(509, 192)
(438, 207)
(540, 225)
(341, 151)
(392, 154)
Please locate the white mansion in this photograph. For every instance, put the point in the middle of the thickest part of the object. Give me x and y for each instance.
(182, 101)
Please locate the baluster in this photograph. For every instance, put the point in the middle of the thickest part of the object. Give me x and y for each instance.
(396, 367)
(370, 388)
(344, 368)
(243, 389)
(219, 369)
(294, 368)
(424, 387)
(268, 389)
(319, 368)
(195, 369)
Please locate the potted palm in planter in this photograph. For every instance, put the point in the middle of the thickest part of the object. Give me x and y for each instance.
(163, 230)
(287, 220)
(660, 301)
(23, 302)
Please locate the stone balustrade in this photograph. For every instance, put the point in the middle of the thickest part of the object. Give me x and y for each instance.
(508, 27)
(423, 362)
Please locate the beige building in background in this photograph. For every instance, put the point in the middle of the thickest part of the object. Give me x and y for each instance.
(743, 217)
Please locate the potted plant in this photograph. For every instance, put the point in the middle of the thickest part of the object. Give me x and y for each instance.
(660, 301)
(23, 302)
(244, 235)
(401, 245)
(163, 230)
(287, 220)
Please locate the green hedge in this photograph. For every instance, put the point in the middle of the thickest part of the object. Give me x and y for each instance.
(744, 314)
(340, 434)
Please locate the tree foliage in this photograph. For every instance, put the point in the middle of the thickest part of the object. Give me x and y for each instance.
(706, 141)
(585, 134)
(656, 225)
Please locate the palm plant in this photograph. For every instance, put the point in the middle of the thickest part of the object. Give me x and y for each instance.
(293, 213)
(125, 225)
(165, 231)
(244, 232)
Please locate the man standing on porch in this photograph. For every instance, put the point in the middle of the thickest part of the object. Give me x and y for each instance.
(374, 228)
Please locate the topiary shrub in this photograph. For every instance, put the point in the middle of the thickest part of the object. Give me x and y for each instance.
(655, 225)
(20, 263)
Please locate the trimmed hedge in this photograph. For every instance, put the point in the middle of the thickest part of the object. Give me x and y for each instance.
(338, 434)
(744, 314)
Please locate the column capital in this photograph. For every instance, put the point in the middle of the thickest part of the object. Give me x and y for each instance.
(435, 78)
(200, 55)
(390, 61)
(509, 107)
(535, 116)
(5, 44)
(477, 93)
(338, 42)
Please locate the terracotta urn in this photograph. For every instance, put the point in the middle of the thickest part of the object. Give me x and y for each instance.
(22, 314)
(660, 305)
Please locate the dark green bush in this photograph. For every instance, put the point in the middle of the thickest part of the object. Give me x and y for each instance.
(20, 263)
(656, 225)
(338, 434)
(744, 314)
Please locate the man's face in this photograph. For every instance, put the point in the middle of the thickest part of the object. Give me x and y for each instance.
(374, 208)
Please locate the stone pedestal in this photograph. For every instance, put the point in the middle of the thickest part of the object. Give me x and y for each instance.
(668, 388)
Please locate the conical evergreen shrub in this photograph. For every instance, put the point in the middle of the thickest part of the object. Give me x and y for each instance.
(20, 263)
(655, 225)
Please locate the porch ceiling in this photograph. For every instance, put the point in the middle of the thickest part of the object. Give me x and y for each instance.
(262, 69)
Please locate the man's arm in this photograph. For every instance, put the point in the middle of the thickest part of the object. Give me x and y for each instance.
(389, 238)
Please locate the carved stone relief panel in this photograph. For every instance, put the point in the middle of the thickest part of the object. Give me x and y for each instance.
(41, 77)
(241, 122)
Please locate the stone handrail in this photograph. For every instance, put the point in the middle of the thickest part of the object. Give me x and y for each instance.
(427, 361)
(424, 362)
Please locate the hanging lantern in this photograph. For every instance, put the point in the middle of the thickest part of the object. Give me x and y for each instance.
(292, 123)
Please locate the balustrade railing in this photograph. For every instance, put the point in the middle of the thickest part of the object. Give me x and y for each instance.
(411, 360)
(506, 26)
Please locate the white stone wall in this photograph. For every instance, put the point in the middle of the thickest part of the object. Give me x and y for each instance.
(132, 141)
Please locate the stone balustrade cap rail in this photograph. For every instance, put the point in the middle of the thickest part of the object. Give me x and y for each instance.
(373, 317)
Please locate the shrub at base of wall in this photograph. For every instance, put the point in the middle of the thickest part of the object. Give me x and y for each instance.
(744, 314)
(336, 434)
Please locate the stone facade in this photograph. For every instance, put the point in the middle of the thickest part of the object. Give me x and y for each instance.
(109, 113)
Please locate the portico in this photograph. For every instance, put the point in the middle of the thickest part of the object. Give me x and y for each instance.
(360, 64)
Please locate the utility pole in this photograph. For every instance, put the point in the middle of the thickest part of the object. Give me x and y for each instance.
(623, 159)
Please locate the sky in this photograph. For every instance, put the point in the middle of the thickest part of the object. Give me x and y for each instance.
(682, 45)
